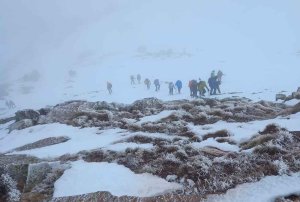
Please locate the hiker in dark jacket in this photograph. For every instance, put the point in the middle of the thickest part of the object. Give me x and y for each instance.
(139, 78)
(171, 88)
(147, 82)
(157, 85)
(213, 84)
(109, 87)
(193, 88)
(178, 85)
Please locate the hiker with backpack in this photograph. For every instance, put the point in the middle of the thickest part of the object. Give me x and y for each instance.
(109, 87)
(193, 88)
(178, 85)
(201, 87)
(147, 82)
(157, 85)
(171, 88)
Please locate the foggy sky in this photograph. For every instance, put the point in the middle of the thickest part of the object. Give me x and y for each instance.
(33, 32)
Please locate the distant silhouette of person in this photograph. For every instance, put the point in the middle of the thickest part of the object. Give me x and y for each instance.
(109, 87)
(10, 104)
(178, 85)
(147, 82)
(193, 88)
(213, 84)
(139, 78)
(157, 85)
(171, 88)
(132, 79)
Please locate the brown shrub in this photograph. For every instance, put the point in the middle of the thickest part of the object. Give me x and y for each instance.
(255, 141)
(270, 150)
(220, 133)
(225, 139)
(188, 134)
(140, 139)
(95, 156)
(187, 106)
(168, 167)
(270, 129)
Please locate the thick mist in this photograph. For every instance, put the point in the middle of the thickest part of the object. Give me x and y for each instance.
(256, 43)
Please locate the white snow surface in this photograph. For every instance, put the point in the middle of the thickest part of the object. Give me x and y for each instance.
(80, 139)
(157, 117)
(77, 49)
(211, 142)
(265, 190)
(243, 131)
(83, 178)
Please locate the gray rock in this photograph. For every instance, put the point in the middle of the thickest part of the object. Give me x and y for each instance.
(146, 104)
(25, 123)
(36, 174)
(27, 114)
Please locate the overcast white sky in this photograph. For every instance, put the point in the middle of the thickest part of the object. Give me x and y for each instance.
(246, 34)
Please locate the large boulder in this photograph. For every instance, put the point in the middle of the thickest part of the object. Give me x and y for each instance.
(147, 104)
(27, 114)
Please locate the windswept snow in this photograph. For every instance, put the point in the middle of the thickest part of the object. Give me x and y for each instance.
(244, 131)
(156, 117)
(85, 177)
(266, 190)
(80, 139)
(210, 142)
(121, 147)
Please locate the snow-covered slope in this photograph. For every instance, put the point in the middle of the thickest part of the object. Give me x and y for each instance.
(61, 50)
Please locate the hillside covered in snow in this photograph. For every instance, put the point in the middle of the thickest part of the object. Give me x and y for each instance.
(64, 137)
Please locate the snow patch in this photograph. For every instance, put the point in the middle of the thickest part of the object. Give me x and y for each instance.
(264, 190)
(85, 178)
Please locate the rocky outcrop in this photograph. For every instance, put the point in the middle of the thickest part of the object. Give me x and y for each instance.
(43, 143)
(27, 114)
(25, 123)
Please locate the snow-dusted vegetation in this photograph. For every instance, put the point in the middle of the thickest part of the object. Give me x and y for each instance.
(203, 147)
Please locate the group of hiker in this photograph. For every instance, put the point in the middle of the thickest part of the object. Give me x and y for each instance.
(214, 83)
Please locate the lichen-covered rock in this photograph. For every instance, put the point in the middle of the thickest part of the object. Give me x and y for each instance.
(147, 104)
(24, 123)
(27, 114)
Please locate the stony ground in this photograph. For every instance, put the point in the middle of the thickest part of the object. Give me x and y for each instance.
(209, 170)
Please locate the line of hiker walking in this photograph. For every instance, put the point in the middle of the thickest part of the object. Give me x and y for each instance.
(214, 83)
